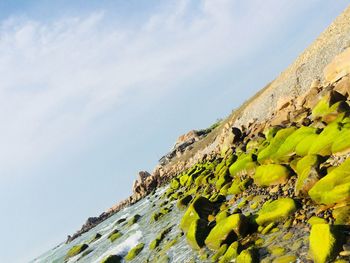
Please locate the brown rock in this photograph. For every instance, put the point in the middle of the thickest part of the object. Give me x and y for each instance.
(338, 68)
(343, 86)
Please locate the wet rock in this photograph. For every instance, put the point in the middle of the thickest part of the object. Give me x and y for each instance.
(134, 252)
(226, 231)
(197, 233)
(276, 211)
(95, 237)
(307, 171)
(112, 259)
(114, 235)
(75, 250)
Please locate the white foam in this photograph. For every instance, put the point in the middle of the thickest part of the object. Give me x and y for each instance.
(122, 248)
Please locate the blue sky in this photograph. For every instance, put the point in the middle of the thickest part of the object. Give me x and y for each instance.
(91, 92)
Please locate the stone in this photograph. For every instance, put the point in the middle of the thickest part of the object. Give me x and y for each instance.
(115, 234)
(271, 174)
(231, 253)
(285, 259)
(307, 171)
(338, 68)
(197, 233)
(245, 164)
(112, 259)
(343, 86)
(322, 243)
(226, 231)
(134, 252)
(275, 211)
(316, 220)
(75, 250)
(334, 187)
(247, 256)
(200, 208)
(341, 215)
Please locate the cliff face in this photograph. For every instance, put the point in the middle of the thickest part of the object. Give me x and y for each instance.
(271, 183)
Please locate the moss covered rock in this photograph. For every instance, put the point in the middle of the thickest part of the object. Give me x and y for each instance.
(316, 220)
(342, 215)
(276, 211)
(334, 187)
(245, 164)
(341, 144)
(134, 220)
(112, 259)
(271, 174)
(307, 171)
(75, 250)
(155, 243)
(285, 259)
(134, 252)
(114, 235)
(95, 237)
(184, 201)
(247, 256)
(303, 147)
(231, 253)
(197, 233)
(200, 208)
(226, 231)
(288, 147)
(269, 153)
(323, 244)
(219, 253)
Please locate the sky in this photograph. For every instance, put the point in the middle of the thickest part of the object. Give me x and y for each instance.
(91, 92)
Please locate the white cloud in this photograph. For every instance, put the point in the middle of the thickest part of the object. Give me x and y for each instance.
(56, 77)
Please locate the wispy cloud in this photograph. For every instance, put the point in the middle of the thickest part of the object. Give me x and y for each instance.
(57, 77)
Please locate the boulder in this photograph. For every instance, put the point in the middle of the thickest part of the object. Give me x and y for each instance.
(226, 231)
(75, 250)
(275, 211)
(334, 187)
(112, 259)
(134, 252)
(271, 174)
(307, 171)
(197, 232)
(323, 244)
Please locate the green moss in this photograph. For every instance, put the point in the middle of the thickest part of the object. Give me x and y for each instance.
(287, 148)
(305, 144)
(174, 184)
(197, 233)
(219, 253)
(268, 228)
(316, 220)
(157, 215)
(201, 207)
(334, 187)
(277, 251)
(95, 237)
(226, 230)
(285, 259)
(222, 215)
(247, 256)
(75, 250)
(323, 144)
(155, 243)
(269, 153)
(134, 252)
(115, 234)
(271, 174)
(112, 259)
(183, 179)
(342, 143)
(306, 170)
(244, 165)
(134, 220)
(276, 211)
(183, 202)
(322, 243)
(342, 215)
(231, 253)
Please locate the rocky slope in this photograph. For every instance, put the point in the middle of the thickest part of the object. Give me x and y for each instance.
(271, 183)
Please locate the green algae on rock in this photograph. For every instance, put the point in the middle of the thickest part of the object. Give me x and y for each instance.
(271, 174)
(334, 187)
(112, 259)
(323, 243)
(197, 233)
(184, 201)
(114, 235)
(226, 231)
(75, 250)
(200, 208)
(306, 170)
(95, 237)
(247, 256)
(231, 253)
(276, 211)
(134, 252)
(244, 164)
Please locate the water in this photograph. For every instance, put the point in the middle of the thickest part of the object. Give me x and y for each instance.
(143, 231)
